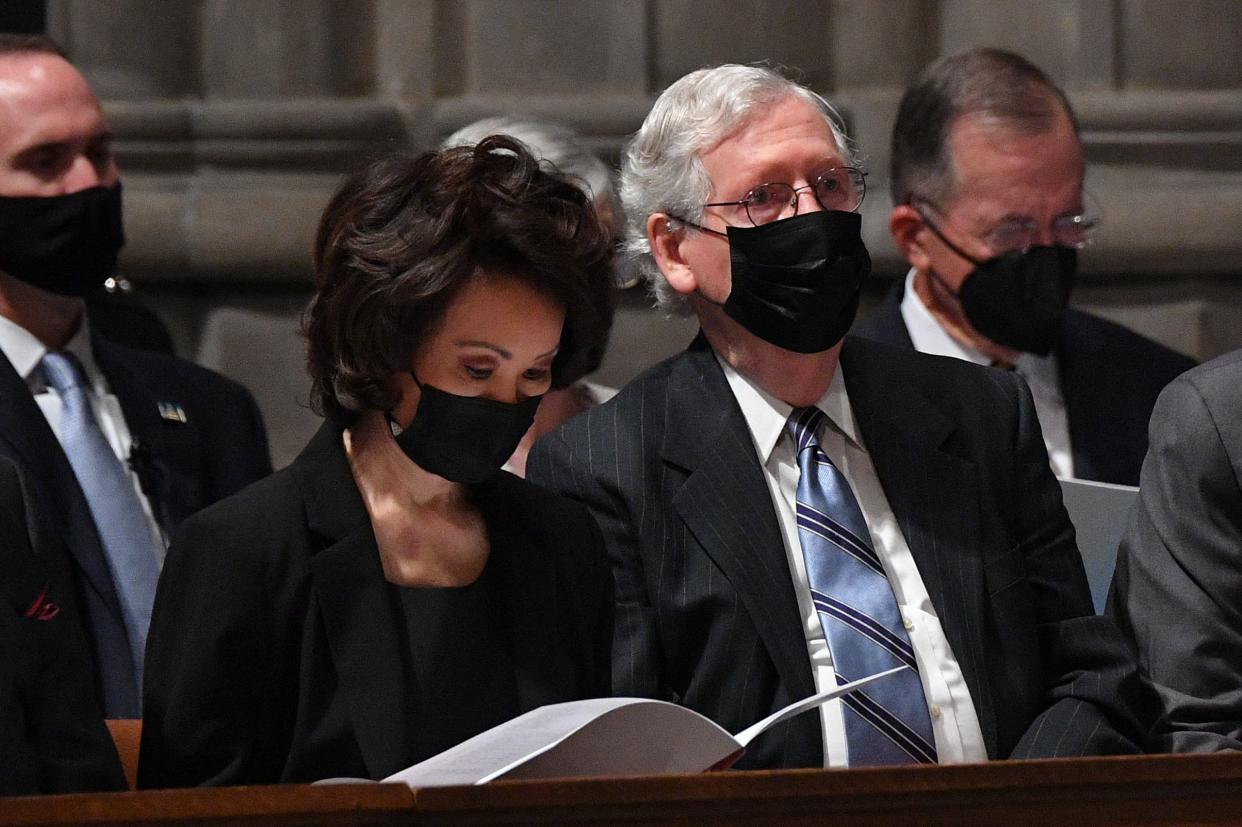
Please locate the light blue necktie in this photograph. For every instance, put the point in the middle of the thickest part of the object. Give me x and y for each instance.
(887, 723)
(118, 515)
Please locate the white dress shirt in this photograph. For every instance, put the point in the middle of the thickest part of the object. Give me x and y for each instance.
(1040, 372)
(955, 723)
(25, 352)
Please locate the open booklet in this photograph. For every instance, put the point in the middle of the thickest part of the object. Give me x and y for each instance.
(601, 736)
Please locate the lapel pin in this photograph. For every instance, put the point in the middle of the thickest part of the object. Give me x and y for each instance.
(172, 412)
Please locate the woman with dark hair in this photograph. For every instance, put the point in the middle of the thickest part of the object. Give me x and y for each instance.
(391, 593)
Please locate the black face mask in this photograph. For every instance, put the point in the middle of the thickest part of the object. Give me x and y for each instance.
(796, 282)
(1018, 299)
(65, 244)
(464, 439)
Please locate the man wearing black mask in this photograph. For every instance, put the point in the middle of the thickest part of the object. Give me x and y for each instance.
(786, 510)
(120, 444)
(987, 179)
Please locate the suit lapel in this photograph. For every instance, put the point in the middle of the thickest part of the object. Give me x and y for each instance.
(360, 620)
(30, 441)
(530, 592)
(726, 505)
(167, 452)
(934, 496)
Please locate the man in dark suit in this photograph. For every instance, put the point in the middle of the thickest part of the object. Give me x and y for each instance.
(52, 733)
(987, 174)
(1178, 585)
(730, 504)
(120, 444)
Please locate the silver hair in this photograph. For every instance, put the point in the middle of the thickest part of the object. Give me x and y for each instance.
(553, 142)
(661, 171)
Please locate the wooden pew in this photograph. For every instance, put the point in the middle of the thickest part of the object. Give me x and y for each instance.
(1153, 790)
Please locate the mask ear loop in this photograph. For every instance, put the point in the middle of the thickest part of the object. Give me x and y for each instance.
(393, 427)
(931, 225)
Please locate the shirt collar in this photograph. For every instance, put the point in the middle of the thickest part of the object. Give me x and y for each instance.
(928, 336)
(766, 415)
(24, 352)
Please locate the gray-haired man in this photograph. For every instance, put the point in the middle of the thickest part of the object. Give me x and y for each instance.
(786, 510)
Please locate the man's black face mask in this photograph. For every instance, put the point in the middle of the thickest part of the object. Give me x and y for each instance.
(1017, 299)
(797, 282)
(65, 244)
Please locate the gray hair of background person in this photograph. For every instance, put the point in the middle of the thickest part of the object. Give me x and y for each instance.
(662, 172)
(553, 142)
(987, 83)
(566, 150)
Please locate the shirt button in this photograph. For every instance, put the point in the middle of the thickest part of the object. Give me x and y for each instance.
(934, 709)
(908, 623)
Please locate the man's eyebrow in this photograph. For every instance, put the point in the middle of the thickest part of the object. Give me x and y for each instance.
(1015, 218)
(44, 146)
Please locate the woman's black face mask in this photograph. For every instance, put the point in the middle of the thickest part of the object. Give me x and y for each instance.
(796, 282)
(1017, 299)
(464, 439)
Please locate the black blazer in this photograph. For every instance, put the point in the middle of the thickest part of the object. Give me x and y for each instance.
(183, 466)
(706, 611)
(276, 649)
(52, 733)
(1110, 378)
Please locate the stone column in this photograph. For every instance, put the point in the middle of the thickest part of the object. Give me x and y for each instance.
(131, 49)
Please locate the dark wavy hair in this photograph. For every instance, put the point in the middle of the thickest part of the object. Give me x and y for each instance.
(403, 235)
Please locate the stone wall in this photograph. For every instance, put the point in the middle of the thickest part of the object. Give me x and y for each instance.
(235, 119)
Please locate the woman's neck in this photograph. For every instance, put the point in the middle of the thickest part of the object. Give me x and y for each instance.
(427, 530)
(383, 470)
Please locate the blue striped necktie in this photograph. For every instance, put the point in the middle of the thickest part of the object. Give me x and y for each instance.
(115, 508)
(887, 723)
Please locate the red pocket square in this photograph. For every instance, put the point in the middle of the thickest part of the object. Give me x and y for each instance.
(42, 608)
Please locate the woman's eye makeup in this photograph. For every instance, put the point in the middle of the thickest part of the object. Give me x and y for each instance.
(477, 371)
(536, 374)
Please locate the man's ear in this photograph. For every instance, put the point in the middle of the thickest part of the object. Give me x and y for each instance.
(666, 236)
(907, 226)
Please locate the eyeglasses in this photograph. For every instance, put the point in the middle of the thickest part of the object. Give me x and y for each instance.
(840, 188)
(1076, 231)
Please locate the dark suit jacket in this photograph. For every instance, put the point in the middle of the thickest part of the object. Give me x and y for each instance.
(123, 318)
(1178, 586)
(1110, 378)
(276, 650)
(706, 611)
(52, 733)
(183, 466)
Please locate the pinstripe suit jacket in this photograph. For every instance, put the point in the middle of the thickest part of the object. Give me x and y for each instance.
(706, 612)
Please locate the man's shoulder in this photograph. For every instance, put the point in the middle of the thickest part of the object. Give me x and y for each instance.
(884, 323)
(1217, 382)
(652, 386)
(162, 370)
(899, 366)
(1120, 346)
